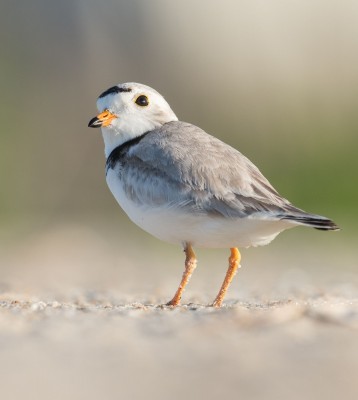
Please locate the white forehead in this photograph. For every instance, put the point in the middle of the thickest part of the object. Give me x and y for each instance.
(126, 93)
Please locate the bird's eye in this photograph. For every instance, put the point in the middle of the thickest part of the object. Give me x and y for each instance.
(142, 100)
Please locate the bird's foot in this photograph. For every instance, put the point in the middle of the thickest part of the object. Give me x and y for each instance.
(216, 304)
(173, 302)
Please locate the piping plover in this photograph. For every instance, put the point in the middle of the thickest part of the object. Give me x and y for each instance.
(185, 186)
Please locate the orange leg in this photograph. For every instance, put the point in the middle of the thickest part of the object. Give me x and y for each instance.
(190, 265)
(234, 262)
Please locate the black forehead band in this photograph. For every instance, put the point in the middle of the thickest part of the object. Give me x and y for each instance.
(113, 90)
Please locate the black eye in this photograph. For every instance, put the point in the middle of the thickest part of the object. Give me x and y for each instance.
(142, 100)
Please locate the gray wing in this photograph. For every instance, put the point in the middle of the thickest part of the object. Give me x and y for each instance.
(179, 165)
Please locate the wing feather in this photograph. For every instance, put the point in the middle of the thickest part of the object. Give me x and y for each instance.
(180, 165)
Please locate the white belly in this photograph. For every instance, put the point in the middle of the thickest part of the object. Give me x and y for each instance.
(176, 226)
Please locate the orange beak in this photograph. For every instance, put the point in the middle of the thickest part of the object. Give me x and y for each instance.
(103, 119)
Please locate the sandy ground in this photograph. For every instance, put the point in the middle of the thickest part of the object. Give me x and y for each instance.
(80, 319)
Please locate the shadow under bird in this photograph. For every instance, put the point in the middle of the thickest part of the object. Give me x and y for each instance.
(185, 186)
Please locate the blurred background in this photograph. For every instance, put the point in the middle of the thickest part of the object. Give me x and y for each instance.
(276, 79)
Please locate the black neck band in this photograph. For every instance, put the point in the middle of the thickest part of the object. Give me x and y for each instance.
(120, 151)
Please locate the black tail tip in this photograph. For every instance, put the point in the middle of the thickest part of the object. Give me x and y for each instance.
(328, 226)
(320, 223)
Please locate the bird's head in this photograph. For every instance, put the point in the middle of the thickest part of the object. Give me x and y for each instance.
(127, 111)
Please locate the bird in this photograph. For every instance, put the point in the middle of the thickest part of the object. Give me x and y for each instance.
(186, 187)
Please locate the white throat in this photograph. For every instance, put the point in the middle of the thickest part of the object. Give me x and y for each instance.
(113, 139)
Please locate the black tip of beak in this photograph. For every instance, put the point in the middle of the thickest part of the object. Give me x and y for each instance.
(95, 123)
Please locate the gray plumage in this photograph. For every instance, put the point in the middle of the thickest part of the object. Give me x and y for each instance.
(178, 165)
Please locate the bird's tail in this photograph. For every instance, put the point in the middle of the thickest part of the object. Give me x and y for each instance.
(315, 221)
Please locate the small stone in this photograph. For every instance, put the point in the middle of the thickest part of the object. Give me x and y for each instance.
(38, 306)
